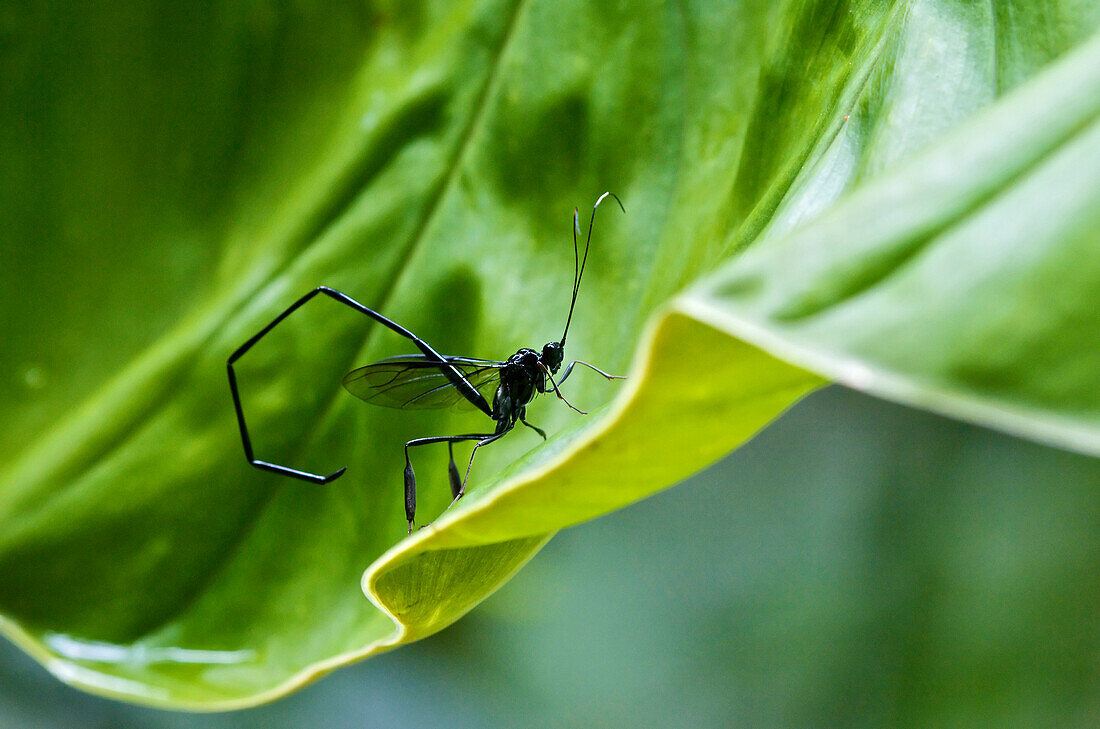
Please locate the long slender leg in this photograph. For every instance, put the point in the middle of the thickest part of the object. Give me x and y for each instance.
(557, 392)
(523, 419)
(452, 373)
(410, 477)
(569, 369)
(501, 432)
(452, 471)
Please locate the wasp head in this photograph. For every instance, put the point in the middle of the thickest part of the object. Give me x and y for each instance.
(552, 355)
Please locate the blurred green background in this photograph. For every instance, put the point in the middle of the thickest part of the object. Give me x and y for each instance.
(858, 564)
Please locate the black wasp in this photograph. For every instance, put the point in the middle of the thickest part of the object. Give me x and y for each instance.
(434, 380)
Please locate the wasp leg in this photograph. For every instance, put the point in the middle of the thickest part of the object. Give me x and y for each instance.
(410, 477)
(523, 419)
(452, 471)
(452, 374)
(569, 369)
(554, 387)
(502, 429)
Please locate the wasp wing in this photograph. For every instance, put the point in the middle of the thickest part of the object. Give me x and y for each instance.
(413, 382)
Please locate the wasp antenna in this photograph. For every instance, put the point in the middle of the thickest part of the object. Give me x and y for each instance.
(601, 199)
(576, 256)
(578, 271)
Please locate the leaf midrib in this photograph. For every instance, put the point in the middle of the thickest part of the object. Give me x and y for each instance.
(226, 554)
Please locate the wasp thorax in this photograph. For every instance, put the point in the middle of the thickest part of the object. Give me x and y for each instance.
(525, 358)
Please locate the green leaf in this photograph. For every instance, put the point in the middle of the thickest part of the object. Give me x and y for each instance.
(962, 280)
(815, 174)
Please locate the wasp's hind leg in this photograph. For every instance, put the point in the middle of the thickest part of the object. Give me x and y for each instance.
(453, 375)
(456, 485)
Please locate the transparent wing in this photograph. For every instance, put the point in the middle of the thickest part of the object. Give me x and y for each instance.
(413, 382)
